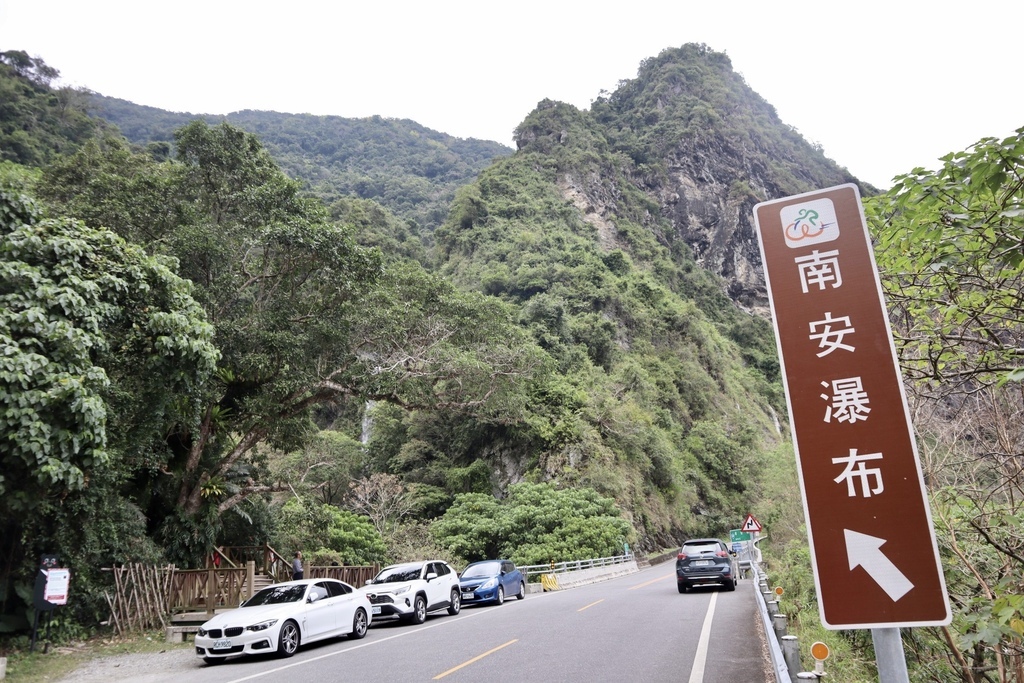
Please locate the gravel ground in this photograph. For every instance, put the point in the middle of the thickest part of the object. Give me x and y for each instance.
(133, 668)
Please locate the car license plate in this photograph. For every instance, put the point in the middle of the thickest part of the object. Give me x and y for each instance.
(376, 609)
(701, 563)
(467, 596)
(222, 644)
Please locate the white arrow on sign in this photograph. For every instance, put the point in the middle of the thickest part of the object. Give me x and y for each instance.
(863, 550)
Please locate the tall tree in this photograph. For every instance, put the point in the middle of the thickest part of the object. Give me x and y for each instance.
(536, 523)
(78, 307)
(951, 251)
(951, 246)
(383, 499)
(101, 348)
(304, 317)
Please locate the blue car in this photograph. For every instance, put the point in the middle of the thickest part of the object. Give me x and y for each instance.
(491, 581)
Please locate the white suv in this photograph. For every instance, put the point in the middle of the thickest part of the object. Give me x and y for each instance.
(410, 590)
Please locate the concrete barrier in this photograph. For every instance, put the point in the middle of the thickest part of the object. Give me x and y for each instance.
(176, 634)
(549, 582)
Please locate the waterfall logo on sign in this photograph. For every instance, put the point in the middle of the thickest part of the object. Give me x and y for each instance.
(809, 223)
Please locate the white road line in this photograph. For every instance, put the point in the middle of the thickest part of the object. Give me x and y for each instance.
(700, 659)
(407, 632)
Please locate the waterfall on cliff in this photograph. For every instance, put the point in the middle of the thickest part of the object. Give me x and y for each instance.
(364, 437)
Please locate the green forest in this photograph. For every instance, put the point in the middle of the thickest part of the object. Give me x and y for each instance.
(374, 342)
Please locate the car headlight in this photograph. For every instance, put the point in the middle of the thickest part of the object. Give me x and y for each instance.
(262, 626)
(202, 631)
(403, 589)
(491, 583)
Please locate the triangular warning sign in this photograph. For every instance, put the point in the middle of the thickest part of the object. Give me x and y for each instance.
(751, 524)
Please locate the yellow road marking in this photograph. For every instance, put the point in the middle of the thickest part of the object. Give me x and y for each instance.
(590, 605)
(641, 585)
(475, 659)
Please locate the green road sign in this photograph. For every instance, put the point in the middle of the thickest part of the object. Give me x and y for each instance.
(737, 535)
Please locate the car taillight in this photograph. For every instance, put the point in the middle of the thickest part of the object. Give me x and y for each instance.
(681, 556)
(721, 553)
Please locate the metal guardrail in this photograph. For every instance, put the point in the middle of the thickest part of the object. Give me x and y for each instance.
(779, 665)
(536, 570)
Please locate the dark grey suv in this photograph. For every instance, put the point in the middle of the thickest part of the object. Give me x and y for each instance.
(706, 560)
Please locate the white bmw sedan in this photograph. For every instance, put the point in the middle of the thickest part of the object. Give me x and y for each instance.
(281, 617)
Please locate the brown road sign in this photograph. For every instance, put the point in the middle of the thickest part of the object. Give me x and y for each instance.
(876, 563)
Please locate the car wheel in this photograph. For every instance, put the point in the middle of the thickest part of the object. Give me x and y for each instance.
(456, 605)
(419, 610)
(499, 599)
(359, 624)
(521, 595)
(731, 585)
(288, 639)
(682, 588)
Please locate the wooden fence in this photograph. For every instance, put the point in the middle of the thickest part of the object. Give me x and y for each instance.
(139, 600)
(267, 560)
(355, 576)
(145, 597)
(194, 590)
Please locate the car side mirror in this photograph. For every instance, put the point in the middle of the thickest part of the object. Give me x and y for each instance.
(368, 582)
(431, 576)
(313, 597)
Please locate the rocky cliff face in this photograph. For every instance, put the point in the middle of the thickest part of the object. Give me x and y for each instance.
(716, 222)
(695, 139)
(709, 196)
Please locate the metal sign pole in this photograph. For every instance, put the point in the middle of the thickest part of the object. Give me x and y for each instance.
(889, 655)
(46, 645)
(35, 630)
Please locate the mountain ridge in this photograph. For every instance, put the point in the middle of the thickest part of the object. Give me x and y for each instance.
(706, 148)
(408, 168)
(624, 234)
(625, 247)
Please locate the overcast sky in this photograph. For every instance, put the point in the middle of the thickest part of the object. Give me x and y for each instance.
(882, 86)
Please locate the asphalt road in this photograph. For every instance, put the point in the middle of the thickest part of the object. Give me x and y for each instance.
(633, 628)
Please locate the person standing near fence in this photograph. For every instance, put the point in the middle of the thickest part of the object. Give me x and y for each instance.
(297, 566)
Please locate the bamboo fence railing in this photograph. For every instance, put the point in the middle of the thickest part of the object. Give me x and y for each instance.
(144, 597)
(140, 597)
